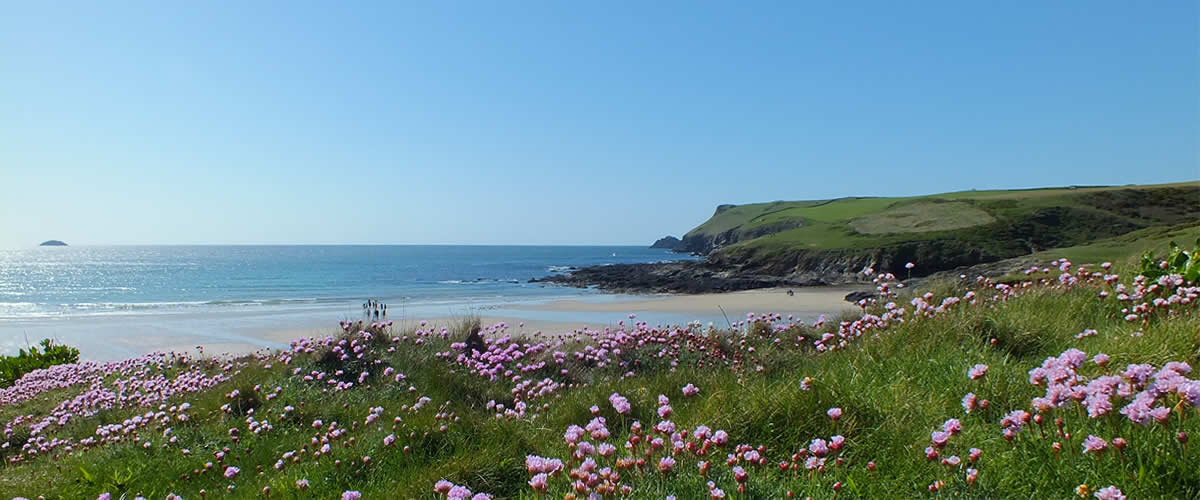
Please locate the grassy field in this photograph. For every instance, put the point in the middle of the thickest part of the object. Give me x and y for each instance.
(986, 225)
(391, 412)
(922, 216)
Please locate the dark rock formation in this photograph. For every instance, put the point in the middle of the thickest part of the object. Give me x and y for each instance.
(668, 243)
(855, 297)
(53, 243)
(668, 277)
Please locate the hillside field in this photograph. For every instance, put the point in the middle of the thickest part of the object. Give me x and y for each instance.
(945, 230)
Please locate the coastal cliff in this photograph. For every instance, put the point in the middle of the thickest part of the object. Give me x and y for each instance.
(826, 242)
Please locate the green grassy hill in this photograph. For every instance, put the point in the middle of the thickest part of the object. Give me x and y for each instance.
(942, 231)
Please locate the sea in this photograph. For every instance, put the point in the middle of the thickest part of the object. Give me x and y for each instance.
(198, 292)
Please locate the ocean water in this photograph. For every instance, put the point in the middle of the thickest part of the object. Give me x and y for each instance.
(118, 302)
(75, 282)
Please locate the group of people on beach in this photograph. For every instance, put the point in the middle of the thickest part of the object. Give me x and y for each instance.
(374, 309)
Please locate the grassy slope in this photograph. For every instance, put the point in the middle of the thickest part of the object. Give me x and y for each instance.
(830, 224)
(1127, 246)
(894, 388)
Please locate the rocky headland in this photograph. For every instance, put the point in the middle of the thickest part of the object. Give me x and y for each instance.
(834, 242)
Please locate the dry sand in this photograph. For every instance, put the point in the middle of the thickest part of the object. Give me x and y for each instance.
(819, 300)
(281, 337)
(119, 337)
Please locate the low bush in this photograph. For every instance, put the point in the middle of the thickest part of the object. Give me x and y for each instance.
(13, 368)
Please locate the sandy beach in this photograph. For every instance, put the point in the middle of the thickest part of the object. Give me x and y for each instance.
(607, 311)
(820, 300)
(108, 338)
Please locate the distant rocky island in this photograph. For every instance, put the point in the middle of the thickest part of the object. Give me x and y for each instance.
(669, 243)
(53, 243)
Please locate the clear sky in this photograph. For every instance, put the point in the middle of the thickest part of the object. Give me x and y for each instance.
(563, 122)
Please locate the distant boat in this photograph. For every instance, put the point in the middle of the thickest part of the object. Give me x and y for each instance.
(53, 243)
(614, 253)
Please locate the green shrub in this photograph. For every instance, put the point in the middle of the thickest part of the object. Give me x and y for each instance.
(12, 368)
(1178, 260)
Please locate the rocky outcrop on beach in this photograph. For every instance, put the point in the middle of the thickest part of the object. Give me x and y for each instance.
(860, 295)
(667, 277)
(717, 275)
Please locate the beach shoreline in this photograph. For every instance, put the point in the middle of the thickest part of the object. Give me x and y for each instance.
(231, 333)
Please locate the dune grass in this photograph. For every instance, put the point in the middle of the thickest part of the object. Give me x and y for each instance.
(896, 381)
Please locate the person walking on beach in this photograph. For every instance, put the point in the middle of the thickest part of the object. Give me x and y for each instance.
(385, 311)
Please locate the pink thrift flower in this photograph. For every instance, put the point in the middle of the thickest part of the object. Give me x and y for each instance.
(977, 371)
(538, 483)
(969, 401)
(974, 454)
(818, 447)
(1094, 444)
(836, 442)
(619, 403)
(664, 411)
(739, 474)
(666, 464)
(231, 472)
(834, 413)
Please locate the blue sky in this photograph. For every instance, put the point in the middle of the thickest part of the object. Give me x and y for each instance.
(563, 122)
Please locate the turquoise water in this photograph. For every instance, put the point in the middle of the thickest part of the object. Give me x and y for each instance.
(57, 282)
(117, 302)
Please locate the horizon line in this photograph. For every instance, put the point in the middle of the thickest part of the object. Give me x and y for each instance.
(333, 245)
